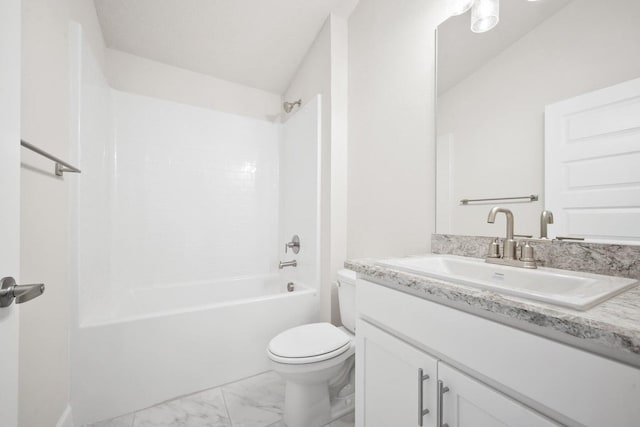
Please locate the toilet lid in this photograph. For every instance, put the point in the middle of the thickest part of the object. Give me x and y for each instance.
(310, 340)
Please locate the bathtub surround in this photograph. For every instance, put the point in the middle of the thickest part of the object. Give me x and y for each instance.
(182, 215)
(256, 401)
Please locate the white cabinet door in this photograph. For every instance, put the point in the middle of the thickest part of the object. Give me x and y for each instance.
(389, 382)
(470, 403)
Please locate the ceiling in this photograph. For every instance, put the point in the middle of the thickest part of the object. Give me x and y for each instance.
(257, 43)
(461, 52)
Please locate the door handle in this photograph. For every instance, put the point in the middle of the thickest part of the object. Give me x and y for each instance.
(9, 291)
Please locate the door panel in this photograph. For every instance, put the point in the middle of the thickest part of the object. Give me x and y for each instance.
(592, 149)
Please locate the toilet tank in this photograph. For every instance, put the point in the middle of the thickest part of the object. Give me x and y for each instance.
(347, 298)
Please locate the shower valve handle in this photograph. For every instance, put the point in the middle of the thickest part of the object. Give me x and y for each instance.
(294, 244)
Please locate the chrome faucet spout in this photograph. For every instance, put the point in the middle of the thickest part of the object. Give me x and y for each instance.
(546, 218)
(492, 219)
(284, 264)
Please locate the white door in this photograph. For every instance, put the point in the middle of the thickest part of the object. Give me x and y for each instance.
(389, 381)
(469, 403)
(592, 153)
(9, 202)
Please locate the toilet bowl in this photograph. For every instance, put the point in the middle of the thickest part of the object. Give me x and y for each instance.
(316, 361)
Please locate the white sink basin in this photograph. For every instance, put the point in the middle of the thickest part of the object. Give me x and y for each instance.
(576, 290)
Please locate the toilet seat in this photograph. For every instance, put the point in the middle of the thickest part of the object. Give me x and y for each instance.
(310, 343)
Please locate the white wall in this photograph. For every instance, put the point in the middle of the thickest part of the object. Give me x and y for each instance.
(391, 126)
(495, 117)
(130, 73)
(44, 369)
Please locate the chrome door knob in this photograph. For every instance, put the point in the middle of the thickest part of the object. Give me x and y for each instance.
(9, 291)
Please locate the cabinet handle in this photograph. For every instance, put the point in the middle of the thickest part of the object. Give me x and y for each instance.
(441, 391)
(421, 379)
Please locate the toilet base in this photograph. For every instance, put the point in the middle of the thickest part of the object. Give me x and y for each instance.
(314, 399)
(307, 405)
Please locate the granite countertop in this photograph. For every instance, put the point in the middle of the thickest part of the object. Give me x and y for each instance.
(611, 329)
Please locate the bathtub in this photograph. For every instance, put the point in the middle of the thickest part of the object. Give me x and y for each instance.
(159, 343)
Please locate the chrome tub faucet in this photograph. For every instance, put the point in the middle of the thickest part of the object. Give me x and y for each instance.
(284, 264)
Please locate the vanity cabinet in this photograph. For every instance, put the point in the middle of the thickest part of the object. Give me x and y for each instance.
(395, 376)
(496, 375)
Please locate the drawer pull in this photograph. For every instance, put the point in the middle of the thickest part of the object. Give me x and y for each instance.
(441, 391)
(421, 379)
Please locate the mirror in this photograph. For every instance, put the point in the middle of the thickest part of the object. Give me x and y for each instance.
(492, 91)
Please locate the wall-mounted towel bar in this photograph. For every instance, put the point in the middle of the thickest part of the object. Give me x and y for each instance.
(531, 198)
(61, 165)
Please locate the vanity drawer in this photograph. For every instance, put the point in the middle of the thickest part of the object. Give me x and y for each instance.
(570, 385)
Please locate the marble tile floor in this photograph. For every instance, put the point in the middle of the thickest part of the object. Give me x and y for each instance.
(252, 402)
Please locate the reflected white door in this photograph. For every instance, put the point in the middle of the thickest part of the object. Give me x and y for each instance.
(592, 153)
(9, 202)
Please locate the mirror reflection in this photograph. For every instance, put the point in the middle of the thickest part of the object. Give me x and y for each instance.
(562, 57)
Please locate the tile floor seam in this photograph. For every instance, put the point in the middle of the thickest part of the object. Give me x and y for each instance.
(226, 407)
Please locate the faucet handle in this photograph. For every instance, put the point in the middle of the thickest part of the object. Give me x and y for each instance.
(527, 253)
(494, 249)
(294, 244)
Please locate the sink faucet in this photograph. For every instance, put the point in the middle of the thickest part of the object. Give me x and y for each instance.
(508, 257)
(545, 218)
(284, 264)
(509, 251)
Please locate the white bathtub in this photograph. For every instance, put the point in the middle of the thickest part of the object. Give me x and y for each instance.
(163, 342)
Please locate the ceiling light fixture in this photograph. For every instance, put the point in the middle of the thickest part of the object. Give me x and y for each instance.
(485, 14)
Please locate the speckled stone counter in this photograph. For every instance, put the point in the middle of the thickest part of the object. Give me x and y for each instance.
(613, 260)
(611, 329)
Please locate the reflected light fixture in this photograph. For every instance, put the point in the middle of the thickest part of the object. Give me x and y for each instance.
(485, 14)
(458, 7)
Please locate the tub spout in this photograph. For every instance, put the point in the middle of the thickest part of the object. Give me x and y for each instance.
(284, 264)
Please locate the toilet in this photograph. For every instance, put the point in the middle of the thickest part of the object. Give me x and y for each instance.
(317, 363)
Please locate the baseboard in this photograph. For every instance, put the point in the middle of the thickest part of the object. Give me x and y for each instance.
(66, 420)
